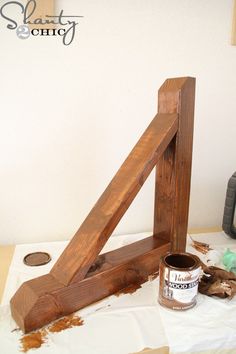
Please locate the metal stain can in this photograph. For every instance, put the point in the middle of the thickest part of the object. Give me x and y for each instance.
(178, 280)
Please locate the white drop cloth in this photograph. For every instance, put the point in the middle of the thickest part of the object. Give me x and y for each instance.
(131, 322)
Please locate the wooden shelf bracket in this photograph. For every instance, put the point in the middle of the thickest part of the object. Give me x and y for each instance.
(81, 276)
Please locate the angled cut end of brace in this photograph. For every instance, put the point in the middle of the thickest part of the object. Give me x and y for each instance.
(80, 276)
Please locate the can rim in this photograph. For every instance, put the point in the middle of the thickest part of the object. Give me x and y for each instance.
(182, 269)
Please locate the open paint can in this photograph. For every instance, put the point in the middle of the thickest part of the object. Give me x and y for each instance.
(179, 276)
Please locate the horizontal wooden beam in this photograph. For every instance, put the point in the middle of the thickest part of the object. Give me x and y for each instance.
(92, 235)
(42, 300)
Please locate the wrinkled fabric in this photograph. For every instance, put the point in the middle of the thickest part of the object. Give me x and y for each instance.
(117, 325)
(130, 322)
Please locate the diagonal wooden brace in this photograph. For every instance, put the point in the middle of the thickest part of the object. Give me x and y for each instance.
(82, 276)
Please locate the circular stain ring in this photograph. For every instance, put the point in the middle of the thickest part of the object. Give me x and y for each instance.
(37, 259)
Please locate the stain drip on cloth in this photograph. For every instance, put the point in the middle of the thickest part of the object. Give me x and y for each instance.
(36, 339)
(33, 340)
(65, 323)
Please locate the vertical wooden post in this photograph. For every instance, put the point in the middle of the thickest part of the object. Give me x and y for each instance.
(173, 170)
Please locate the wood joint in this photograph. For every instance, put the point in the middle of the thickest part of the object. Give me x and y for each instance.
(81, 275)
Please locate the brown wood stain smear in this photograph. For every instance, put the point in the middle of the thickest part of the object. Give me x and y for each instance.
(33, 340)
(129, 289)
(36, 339)
(132, 288)
(65, 323)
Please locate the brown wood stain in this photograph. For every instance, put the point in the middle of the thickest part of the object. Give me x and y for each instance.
(36, 339)
(129, 289)
(65, 323)
(33, 340)
(132, 288)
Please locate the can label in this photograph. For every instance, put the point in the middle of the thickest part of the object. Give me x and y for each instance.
(181, 286)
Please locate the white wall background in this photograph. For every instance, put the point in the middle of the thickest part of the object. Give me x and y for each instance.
(70, 115)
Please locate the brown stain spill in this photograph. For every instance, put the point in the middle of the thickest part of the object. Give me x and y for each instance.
(65, 323)
(36, 339)
(129, 289)
(33, 340)
(132, 288)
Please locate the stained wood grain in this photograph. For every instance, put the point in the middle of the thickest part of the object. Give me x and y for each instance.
(173, 173)
(107, 212)
(80, 276)
(42, 300)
